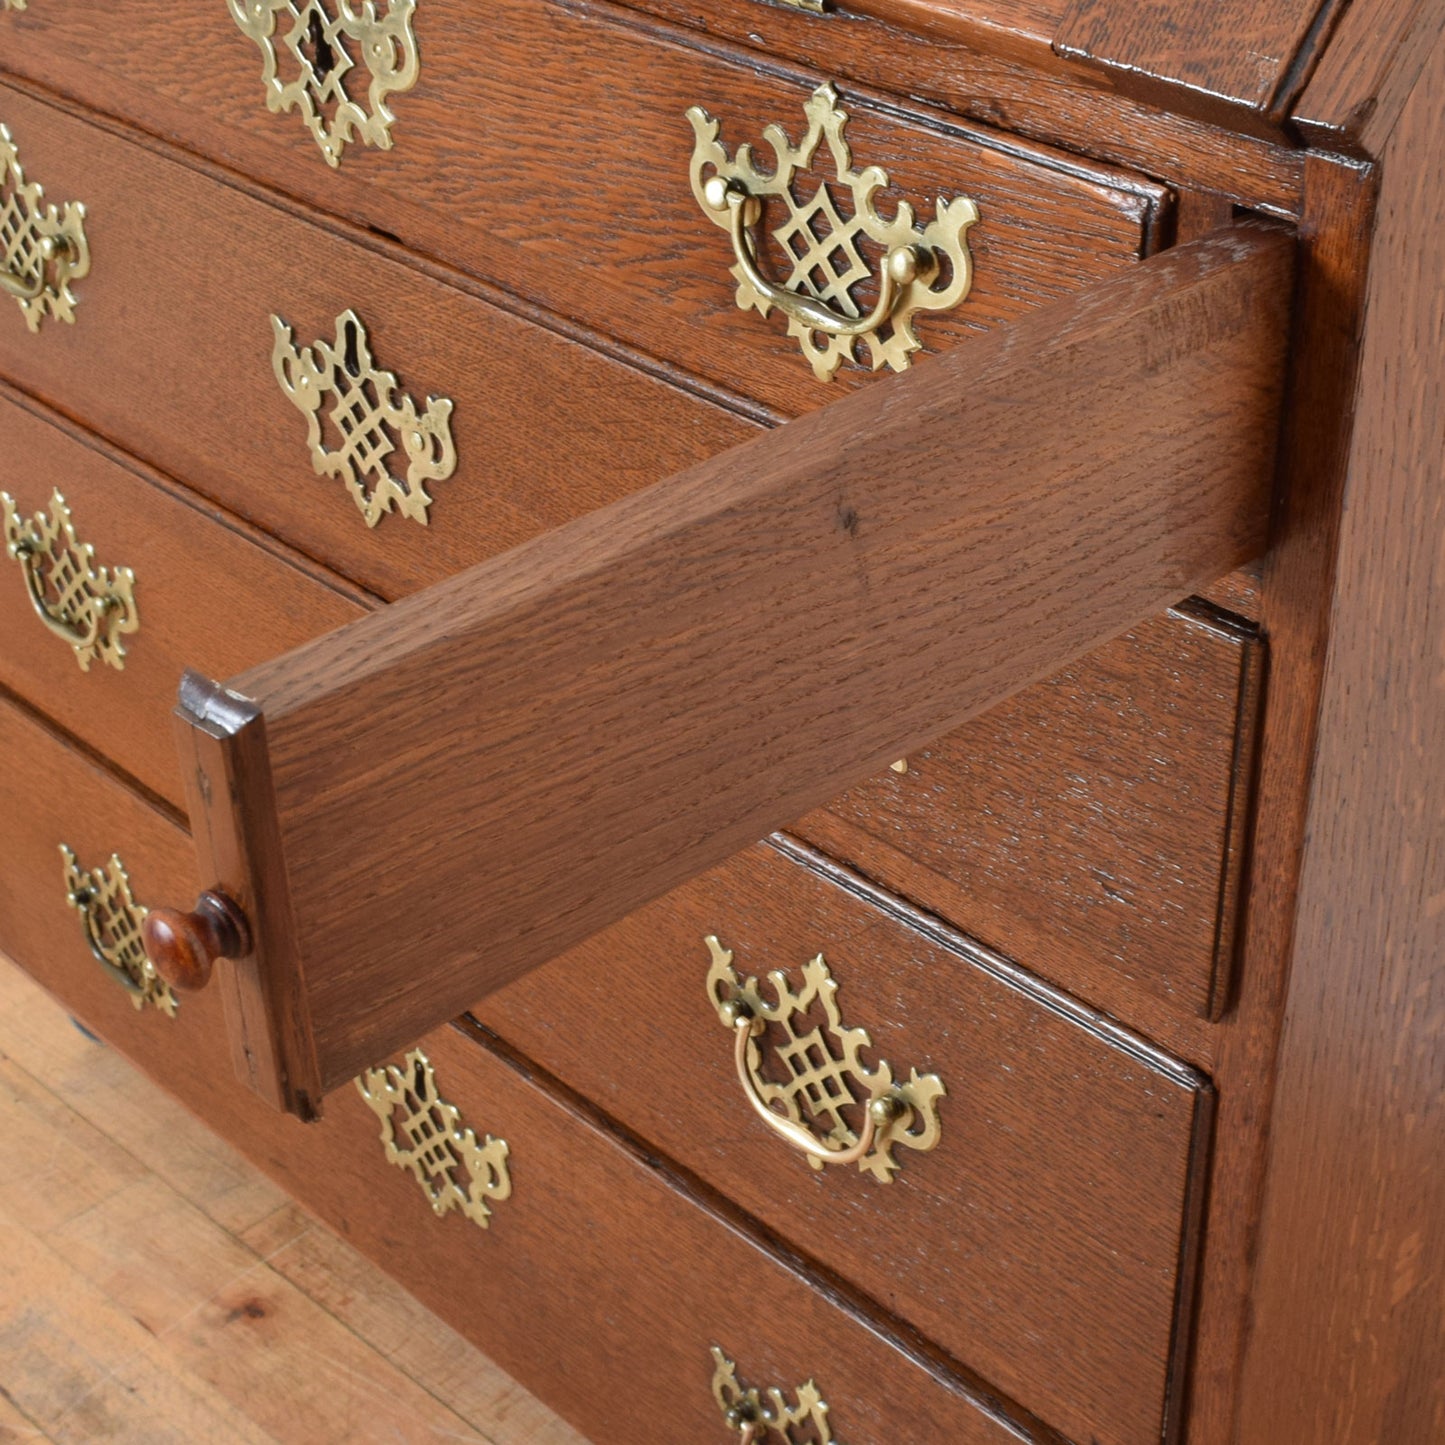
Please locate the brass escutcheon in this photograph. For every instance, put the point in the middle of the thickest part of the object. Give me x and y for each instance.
(344, 65)
(89, 607)
(758, 1415)
(371, 418)
(42, 247)
(923, 268)
(425, 1135)
(825, 1076)
(111, 920)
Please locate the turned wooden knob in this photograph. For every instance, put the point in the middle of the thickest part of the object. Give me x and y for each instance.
(185, 946)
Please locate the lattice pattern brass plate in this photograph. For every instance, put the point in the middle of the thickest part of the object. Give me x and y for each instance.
(760, 1415)
(823, 1077)
(42, 246)
(370, 419)
(341, 63)
(424, 1134)
(112, 919)
(89, 607)
(921, 268)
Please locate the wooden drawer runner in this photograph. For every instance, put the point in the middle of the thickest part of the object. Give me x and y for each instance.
(209, 593)
(512, 159)
(1088, 828)
(1091, 826)
(597, 1284)
(1049, 1237)
(170, 357)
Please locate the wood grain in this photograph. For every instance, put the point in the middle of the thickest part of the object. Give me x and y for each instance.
(545, 427)
(916, 832)
(1229, 59)
(602, 1263)
(1047, 1240)
(1295, 585)
(1348, 1315)
(552, 739)
(627, 249)
(143, 1304)
(1090, 824)
(953, 57)
(1365, 77)
(207, 587)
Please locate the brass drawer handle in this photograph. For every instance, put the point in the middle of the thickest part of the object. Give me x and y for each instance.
(89, 607)
(757, 1414)
(42, 247)
(112, 921)
(880, 1113)
(925, 268)
(29, 287)
(825, 1072)
(344, 66)
(370, 418)
(424, 1134)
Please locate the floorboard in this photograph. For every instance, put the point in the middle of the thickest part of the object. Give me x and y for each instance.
(155, 1288)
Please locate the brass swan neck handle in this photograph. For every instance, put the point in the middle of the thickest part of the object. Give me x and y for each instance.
(901, 267)
(27, 287)
(880, 1113)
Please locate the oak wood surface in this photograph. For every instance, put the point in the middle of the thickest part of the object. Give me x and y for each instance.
(1295, 590)
(1363, 80)
(1228, 56)
(207, 586)
(1107, 855)
(548, 741)
(1347, 1305)
(1047, 1239)
(169, 1292)
(544, 427)
(564, 1293)
(218, 595)
(504, 170)
(948, 55)
(995, 68)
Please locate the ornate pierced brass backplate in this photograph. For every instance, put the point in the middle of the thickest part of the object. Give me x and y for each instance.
(833, 258)
(759, 1415)
(424, 1134)
(89, 607)
(337, 63)
(370, 418)
(111, 920)
(814, 1071)
(42, 246)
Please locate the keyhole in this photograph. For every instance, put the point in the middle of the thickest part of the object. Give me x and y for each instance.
(350, 358)
(323, 60)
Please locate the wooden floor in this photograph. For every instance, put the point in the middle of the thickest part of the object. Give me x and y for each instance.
(155, 1288)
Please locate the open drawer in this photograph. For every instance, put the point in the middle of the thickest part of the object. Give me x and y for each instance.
(430, 802)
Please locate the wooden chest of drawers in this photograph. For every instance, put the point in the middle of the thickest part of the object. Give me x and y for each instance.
(377, 368)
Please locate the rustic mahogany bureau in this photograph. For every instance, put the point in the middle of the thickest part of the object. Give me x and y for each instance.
(758, 686)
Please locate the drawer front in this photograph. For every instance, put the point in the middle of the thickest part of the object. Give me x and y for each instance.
(511, 158)
(1090, 826)
(171, 356)
(1041, 1240)
(596, 1283)
(206, 593)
